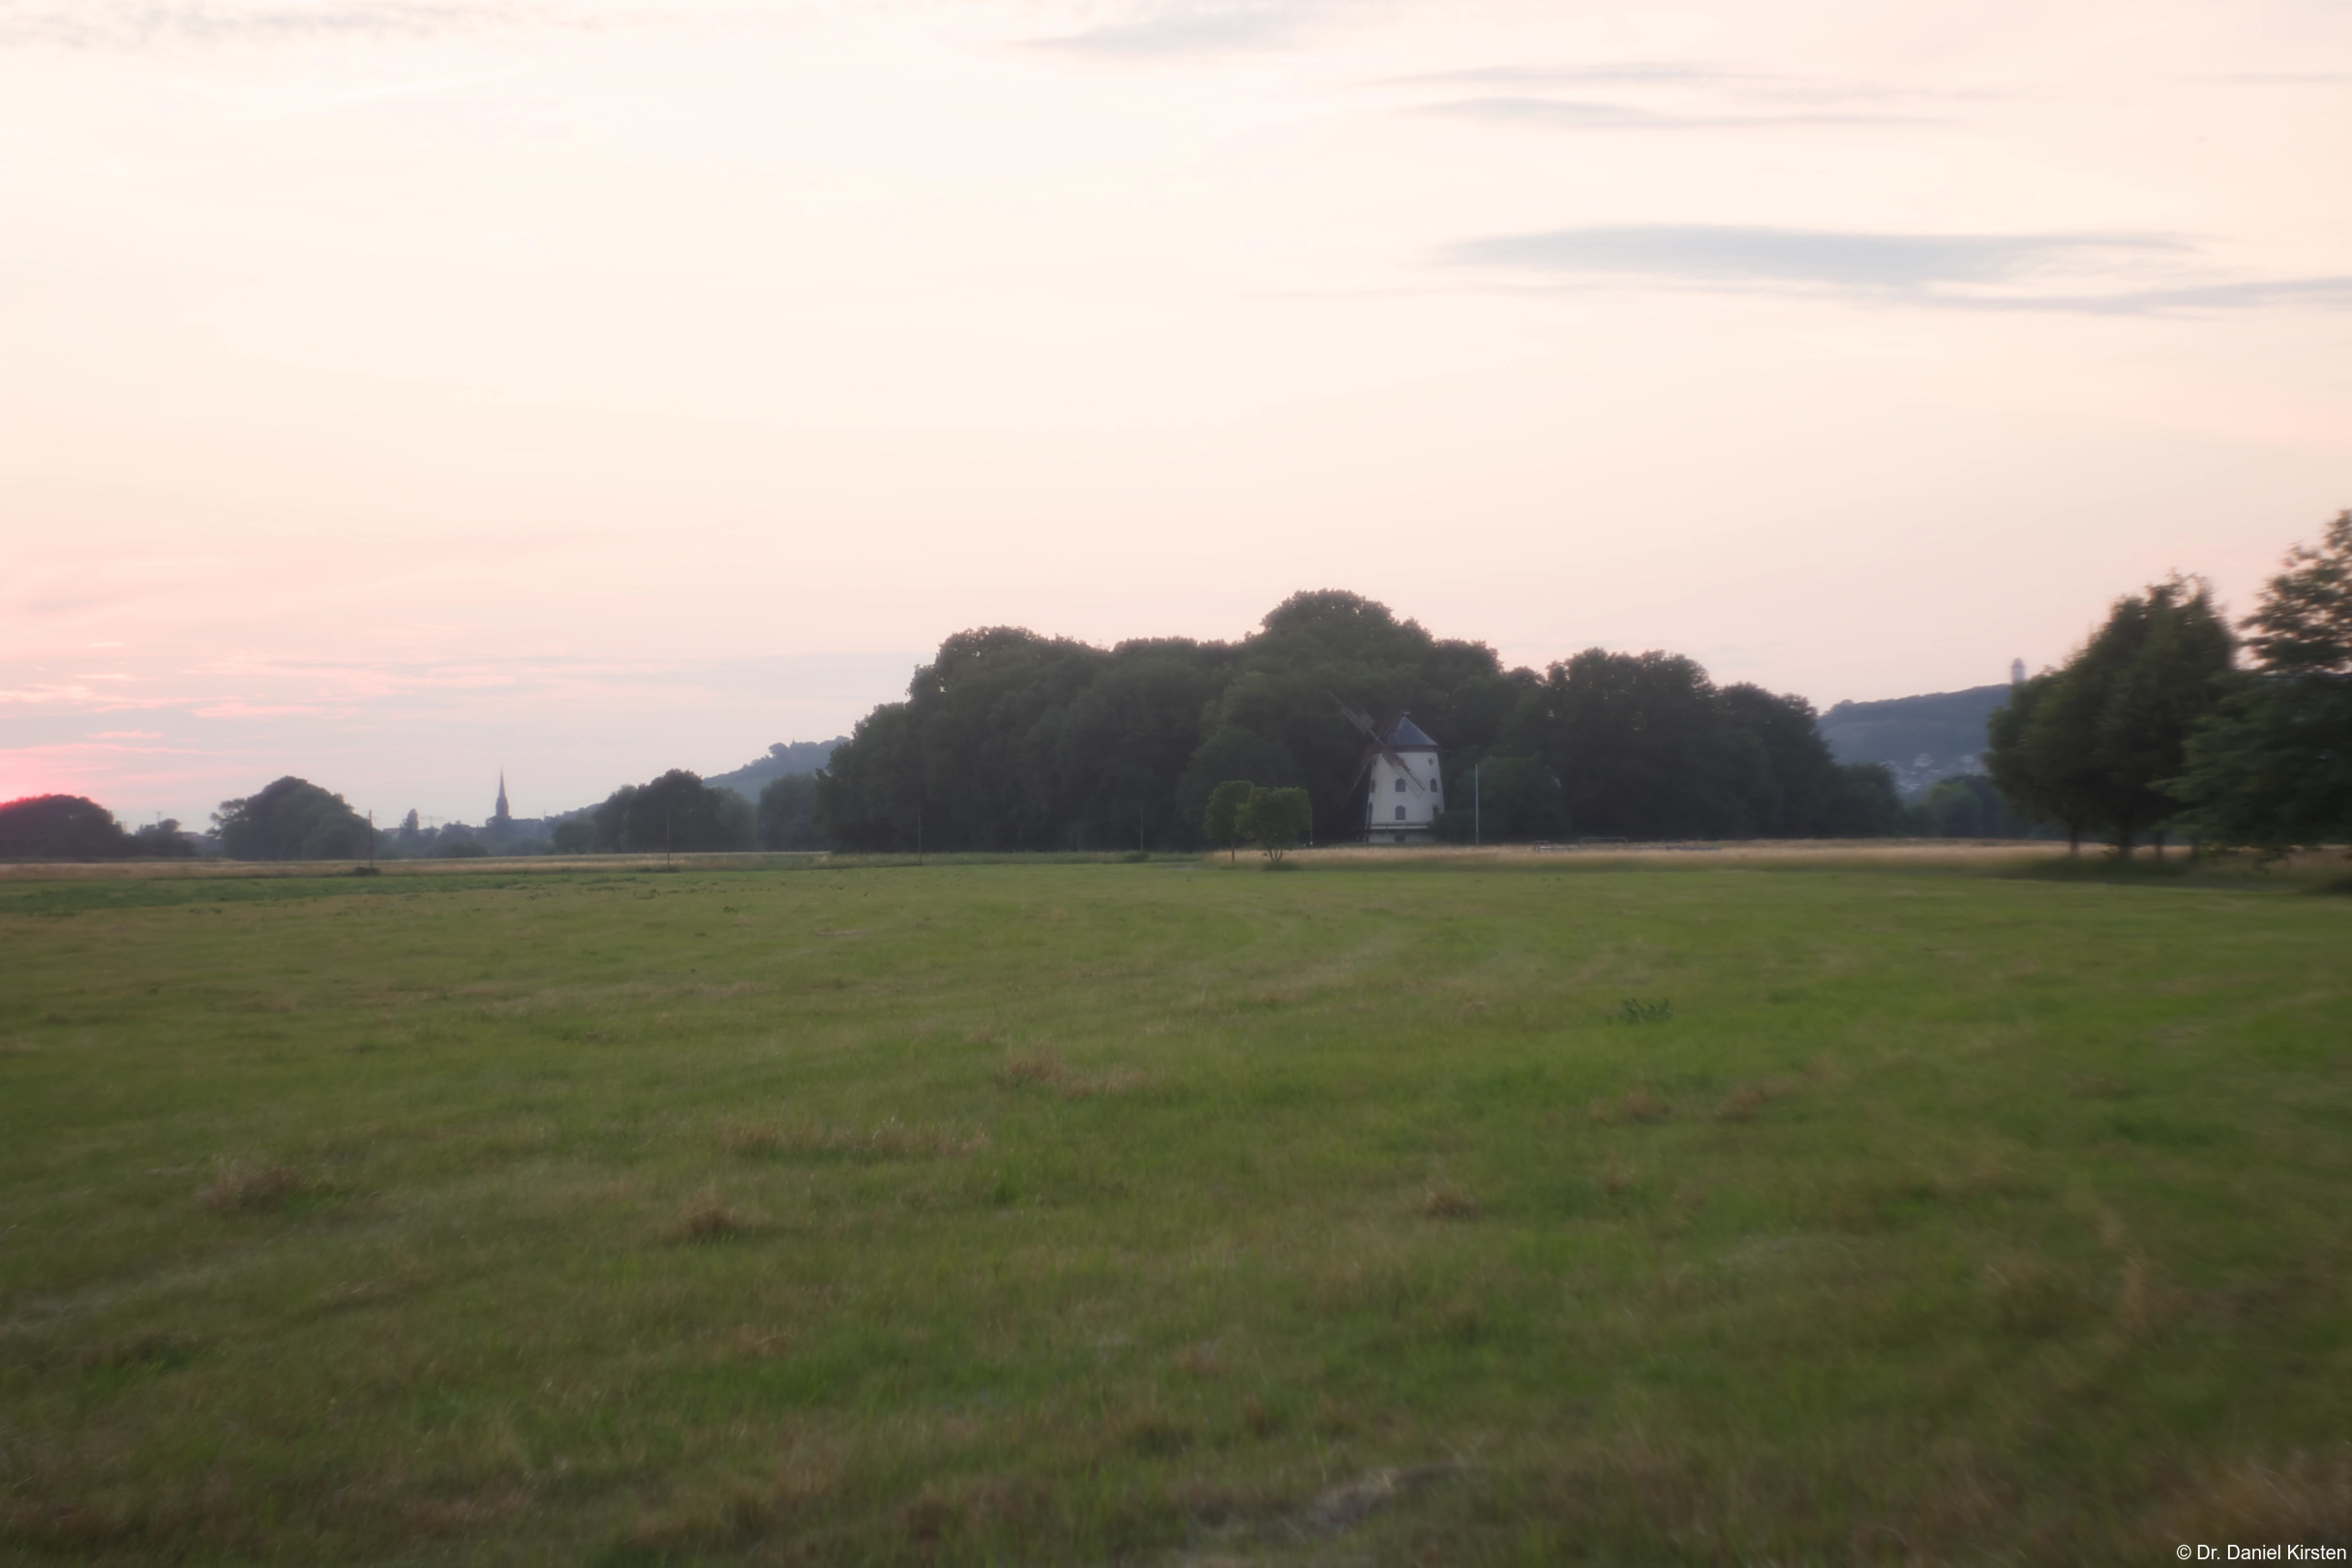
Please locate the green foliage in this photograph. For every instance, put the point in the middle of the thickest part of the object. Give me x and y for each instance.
(676, 813)
(788, 814)
(1862, 802)
(2304, 624)
(291, 820)
(1647, 747)
(1505, 798)
(1275, 820)
(1222, 818)
(2273, 763)
(61, 827)
(574, 836)
(1011, 741)
(2271, 767)
(1968, 805)
(2096, 743)
(162, 841)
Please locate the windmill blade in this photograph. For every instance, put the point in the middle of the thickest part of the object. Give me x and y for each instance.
(1357, 717)
(1397, 762)
(1363, 767)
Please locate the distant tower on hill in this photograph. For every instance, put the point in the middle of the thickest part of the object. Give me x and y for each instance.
(2016, 672)
(501, 816)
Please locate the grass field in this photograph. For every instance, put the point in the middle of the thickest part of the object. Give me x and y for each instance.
(1395, 1211)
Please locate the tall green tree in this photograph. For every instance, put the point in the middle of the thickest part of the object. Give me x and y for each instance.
(676, 813)
(2038, 754)
(61, 827)
(291, 819)
(1277, 820)
(1647, 746)
(2099, 743)
(787, 813)
(2273, 763)
(1222, 819)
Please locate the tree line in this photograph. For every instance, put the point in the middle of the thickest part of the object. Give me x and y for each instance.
(2154, 725)
(2163, 722)
(1013, 740)
(75, 827)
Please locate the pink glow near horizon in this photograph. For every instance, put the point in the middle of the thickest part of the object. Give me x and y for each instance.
(589, 388)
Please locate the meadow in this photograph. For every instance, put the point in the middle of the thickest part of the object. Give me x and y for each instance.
(1384, 1209)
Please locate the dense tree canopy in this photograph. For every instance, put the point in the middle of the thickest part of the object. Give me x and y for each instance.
(2099, 743)
(676, 813)
(1013, 741)
(61, 827)
(2273, 765)
(787, 813)
(291, 820)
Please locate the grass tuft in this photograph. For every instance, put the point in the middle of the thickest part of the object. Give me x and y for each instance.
(241, 1185)
(1044, 1069)
(1444, 1201)
(1638, 1106)
(139, 1349)
(1149, 1431)
(707, 1219)
(2031, 1299)
(1748, 1102)
(891, 1139)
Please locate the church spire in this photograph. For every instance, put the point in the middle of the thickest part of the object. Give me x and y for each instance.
(501, 814)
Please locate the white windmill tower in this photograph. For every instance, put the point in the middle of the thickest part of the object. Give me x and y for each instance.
(1405, 792)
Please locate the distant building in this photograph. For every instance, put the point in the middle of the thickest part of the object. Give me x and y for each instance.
(2016, 672)
(500, 816)
(1403, 797)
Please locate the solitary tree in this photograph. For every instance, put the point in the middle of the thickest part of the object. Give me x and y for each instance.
(60, 827)
(1275, 820)
(291, 820)
(1222, 819)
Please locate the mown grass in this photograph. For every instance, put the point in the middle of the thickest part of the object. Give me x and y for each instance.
(1167, 1213)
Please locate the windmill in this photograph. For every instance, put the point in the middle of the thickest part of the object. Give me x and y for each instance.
(1384, 757)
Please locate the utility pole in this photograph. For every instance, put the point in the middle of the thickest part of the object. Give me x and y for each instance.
(1141, 848)
(919, 833)
(371, 835)
(1477, 826)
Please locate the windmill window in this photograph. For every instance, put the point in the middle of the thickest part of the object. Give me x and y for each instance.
(1401, 813)
(1400, 784)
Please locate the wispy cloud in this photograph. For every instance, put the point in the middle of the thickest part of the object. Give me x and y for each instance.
(1177, 29)
(1591, 115)
(1670, 95)
(1647, 73)
(133, 24)
(2109, 274)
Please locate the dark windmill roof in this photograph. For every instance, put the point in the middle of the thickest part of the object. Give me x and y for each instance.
(1405, 733)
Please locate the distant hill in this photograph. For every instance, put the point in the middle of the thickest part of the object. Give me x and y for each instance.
(1921, 738)
(784, 757)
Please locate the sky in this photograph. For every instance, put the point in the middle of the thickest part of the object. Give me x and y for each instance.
(393, 392)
